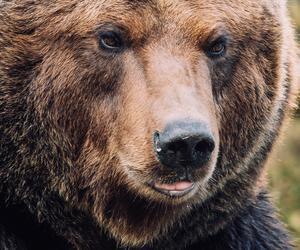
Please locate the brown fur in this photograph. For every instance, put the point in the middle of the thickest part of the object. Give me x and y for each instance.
(83, 120)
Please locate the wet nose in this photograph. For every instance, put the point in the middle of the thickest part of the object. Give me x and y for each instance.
(184, 144)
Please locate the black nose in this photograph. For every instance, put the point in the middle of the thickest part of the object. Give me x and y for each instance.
(184, 144)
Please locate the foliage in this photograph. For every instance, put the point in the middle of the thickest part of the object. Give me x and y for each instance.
(285, 165)
(285, 178)
(294, 7)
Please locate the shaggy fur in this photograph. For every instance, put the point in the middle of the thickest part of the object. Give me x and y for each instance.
(76, 122)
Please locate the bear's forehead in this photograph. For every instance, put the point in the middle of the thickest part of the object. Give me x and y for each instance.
(142, 16)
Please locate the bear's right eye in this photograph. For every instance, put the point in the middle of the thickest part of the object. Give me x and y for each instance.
(111, 41)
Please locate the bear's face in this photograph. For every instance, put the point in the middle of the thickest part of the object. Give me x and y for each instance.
(160, 102)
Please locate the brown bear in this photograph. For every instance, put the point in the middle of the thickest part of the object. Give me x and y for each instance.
(141, 124)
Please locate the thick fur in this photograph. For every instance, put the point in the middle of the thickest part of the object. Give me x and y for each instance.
(76, 123)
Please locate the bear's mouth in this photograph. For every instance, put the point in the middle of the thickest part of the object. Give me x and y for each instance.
(177, 189)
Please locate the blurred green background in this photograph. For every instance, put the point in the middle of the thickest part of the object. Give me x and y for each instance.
(284, 167)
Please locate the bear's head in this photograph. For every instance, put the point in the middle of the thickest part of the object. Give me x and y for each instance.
(137, 112)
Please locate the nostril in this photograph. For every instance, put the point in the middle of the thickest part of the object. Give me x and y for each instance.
(176, 146)
(156, 138)
(201, 147)
(205, 146)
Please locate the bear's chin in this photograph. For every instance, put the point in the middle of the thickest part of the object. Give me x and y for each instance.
(135, 220)
(139, 222)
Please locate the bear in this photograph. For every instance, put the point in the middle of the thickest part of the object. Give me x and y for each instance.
(142, 124)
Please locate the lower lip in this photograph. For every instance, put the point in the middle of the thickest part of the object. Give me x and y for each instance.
(177, 189)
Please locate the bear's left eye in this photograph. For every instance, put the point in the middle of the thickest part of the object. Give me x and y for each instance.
(217, 48)
(111, 41)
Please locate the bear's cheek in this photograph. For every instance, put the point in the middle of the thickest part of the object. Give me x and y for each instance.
(244, 109)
